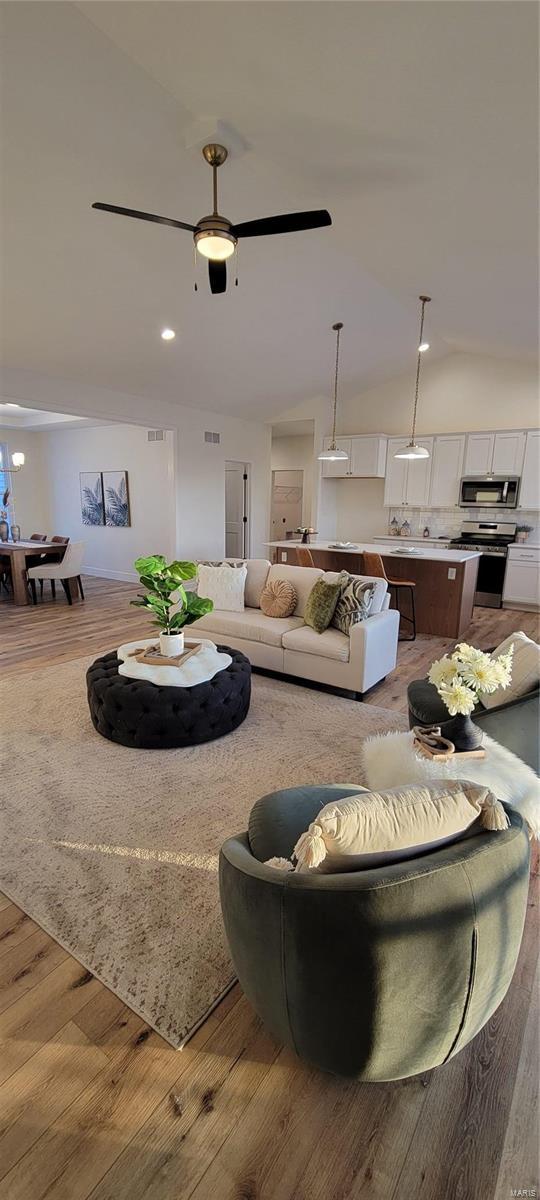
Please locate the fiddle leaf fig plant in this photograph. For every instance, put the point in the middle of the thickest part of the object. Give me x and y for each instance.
(164, 583)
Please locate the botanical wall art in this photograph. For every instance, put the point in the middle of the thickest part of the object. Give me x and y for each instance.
(105, 498)
(92, 506)
(115, 489)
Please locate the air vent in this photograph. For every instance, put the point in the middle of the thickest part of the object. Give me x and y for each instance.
(212, 437)
(156, 435)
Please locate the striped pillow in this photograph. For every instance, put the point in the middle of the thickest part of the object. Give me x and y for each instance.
(354, 603)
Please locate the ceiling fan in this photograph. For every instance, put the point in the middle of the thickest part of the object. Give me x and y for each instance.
(215, 236)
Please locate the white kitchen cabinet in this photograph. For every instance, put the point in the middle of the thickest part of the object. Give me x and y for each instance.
(339, 469)
(395, 484)
(499, 453)
(366, 458)
(479, 453)
(522, 578)
(508, 453)
(446, 470)
(529, 492)
(407, 479)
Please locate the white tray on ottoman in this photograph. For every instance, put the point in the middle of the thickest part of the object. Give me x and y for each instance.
(196, 669)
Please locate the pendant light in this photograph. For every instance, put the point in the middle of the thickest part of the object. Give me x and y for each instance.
(333, 453)
(413, 450)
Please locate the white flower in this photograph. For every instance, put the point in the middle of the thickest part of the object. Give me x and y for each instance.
(442, 671)
(481, 675)
(458, 697)
(502, 667)
(467, 653)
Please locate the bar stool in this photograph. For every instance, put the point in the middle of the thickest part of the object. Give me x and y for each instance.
(304, 557)
(373, 565)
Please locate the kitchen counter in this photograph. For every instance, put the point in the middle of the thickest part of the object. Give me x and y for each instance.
(444, 580)
(413, 549)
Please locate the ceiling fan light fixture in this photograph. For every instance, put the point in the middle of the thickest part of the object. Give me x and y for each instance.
(215, 243)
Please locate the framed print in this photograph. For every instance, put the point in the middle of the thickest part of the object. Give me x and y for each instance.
(92, 506)
(115, 491)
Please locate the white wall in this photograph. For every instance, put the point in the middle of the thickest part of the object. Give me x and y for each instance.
(199, 467)
(29, 487)
(110, 552)
(296, 454)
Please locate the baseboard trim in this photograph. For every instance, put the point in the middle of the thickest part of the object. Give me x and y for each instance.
(124, 576)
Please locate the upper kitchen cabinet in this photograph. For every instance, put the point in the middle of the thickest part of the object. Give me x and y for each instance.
(508, 453)
(407, 480)
(479, 453)
(529, 492)
(499, 453)
(446, 470)
(366, 458)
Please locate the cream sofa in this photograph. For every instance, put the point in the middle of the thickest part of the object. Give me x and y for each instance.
(291, 647)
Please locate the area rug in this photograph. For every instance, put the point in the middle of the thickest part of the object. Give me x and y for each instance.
(114, 851)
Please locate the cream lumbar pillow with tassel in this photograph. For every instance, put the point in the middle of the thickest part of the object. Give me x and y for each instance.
(374, 828)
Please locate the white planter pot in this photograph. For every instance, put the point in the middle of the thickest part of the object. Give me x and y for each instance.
(171, 644)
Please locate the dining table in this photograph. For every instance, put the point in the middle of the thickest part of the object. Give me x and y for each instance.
(18, 553)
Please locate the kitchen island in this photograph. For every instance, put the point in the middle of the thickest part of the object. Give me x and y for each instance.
(445, 580)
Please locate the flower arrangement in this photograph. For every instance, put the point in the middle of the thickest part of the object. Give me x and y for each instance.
(461, 677)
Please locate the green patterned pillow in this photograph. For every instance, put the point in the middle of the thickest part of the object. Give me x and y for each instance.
(321, 603)
(353, 604)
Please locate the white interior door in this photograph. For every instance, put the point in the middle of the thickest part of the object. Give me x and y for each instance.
(287, 498)
(236, 510)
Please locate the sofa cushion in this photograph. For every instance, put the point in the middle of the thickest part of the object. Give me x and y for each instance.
(330, 644)
(250, 624)
(525, 670)
(353, 604)
(380, 589)
(257, 574)
(223, 585)
(278, 598)
(302, 579)
(374, 828)
(321, 604)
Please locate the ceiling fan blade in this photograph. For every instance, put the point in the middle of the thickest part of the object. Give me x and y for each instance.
(133, 212)
(217, 274)
(286, 223)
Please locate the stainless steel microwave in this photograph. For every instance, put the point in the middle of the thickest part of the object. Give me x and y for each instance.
(489, 491)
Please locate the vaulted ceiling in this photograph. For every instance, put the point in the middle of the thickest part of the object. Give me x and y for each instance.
(414, 123)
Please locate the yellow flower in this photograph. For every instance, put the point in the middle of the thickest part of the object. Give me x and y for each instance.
(458, 698)
(467, 653)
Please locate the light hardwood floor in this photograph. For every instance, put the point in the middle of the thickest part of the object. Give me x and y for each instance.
(95, 1106)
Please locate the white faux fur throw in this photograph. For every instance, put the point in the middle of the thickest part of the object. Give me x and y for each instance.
(390, 760)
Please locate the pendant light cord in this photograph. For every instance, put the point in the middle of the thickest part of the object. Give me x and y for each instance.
(425, 300)
(338, 327)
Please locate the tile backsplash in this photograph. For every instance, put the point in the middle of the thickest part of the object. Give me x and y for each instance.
(449, 521)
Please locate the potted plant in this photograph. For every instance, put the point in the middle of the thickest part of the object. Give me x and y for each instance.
(522, 532)
(460, 678)
(165, 591)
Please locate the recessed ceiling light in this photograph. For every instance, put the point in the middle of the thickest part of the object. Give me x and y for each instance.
(168, 335)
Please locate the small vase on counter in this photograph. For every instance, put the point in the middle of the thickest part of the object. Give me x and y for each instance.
(426, 532)
(393, 527)
(405, 530)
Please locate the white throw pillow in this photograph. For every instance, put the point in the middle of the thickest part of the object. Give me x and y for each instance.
(224, 585)
(374, 828)
(525, 670)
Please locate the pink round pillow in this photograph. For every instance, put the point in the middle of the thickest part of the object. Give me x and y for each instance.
(278, 598)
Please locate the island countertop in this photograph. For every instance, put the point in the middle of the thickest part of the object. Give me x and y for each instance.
(414, 551)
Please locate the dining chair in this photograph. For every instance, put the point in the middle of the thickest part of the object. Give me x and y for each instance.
(35, 558)
(373, 565)
(304, 557)
(52, 557)
(68, 568)
(38, 537)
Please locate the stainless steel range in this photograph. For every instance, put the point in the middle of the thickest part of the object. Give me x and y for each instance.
(492, 538)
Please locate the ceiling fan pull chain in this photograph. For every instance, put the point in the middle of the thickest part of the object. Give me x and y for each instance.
(195, 285)
(236, 265)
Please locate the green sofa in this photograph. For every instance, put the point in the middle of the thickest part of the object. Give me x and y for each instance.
(377, 974)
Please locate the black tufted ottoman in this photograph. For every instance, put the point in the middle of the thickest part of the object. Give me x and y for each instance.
(149, 717)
